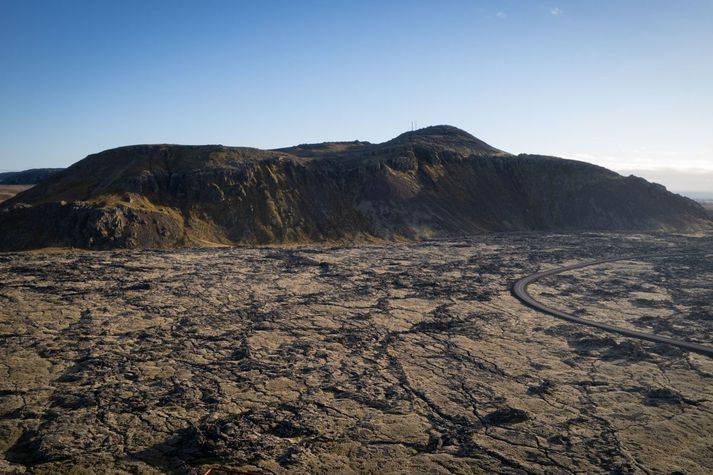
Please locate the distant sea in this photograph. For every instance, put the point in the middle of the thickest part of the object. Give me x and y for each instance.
(697, 195)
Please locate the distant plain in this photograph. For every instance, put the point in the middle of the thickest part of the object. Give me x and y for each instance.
(8, 191)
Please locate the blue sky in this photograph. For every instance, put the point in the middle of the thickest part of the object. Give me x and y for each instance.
(626, 84)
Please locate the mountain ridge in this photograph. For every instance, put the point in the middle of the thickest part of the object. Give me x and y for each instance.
(433, 182)
(27, 177)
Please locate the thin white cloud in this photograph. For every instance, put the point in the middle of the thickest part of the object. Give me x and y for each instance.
(555, 11)
(697, 181)
(501, 15)
(649, 160)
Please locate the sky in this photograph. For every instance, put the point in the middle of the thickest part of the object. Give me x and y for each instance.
(623, 84)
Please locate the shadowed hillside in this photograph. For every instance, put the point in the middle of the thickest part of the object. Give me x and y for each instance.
(434, 182)
(27, 177)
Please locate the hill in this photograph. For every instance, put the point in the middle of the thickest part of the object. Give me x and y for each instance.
(434, 182)
(27, 177)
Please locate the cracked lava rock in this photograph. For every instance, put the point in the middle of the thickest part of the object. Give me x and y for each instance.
(394, 358)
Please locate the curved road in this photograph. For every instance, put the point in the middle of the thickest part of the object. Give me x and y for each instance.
(520, 291)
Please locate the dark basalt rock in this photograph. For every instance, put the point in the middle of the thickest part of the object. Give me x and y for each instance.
(250, 436)
(587, 344)
(435, 182)
(541, 389)
(626, 350)
(507, 415)
(666, 396)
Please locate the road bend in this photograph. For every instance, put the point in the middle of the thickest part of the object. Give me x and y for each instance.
(520, 291)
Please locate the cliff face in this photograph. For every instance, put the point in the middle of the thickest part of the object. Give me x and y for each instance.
(437, 181)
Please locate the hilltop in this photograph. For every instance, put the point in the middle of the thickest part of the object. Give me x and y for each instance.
(434, 182)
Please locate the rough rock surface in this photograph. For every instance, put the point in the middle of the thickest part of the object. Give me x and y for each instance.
(435, 182)
(409, 358)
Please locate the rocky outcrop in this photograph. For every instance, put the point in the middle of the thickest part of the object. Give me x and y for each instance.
(79, 224)
(438, 181)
